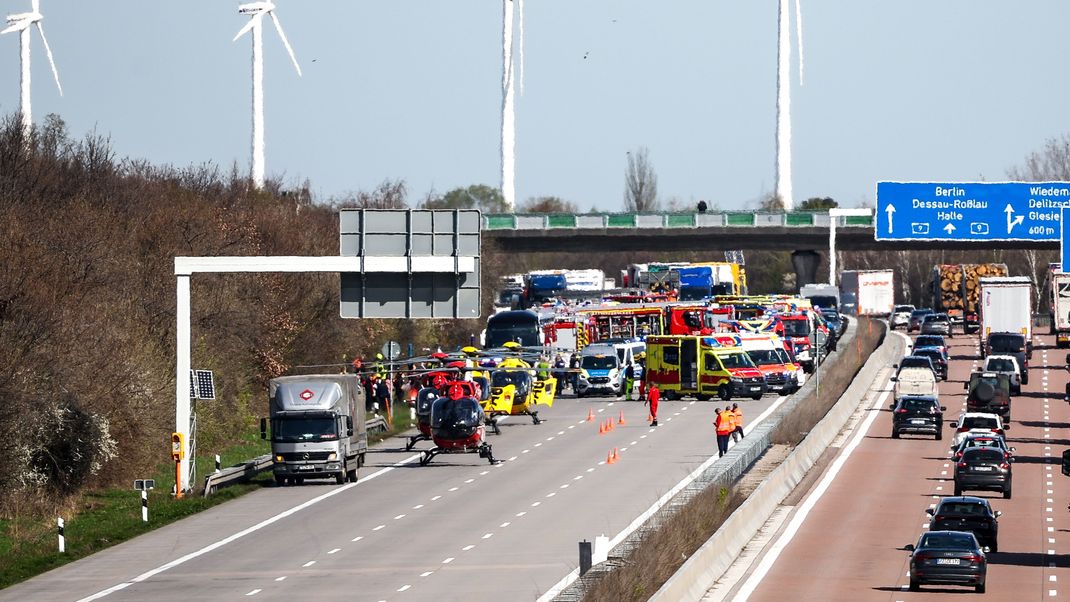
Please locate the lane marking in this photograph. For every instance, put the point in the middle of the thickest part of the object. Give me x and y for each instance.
(308, 564)
(467, 547)
(357, 538)
(398, 517)
(283, 578)
(379, 527)
(254, 592)
(236, 536)
(511, 459)
(426, 573)
(521, 513)
(488, 535)
(451, 489)
(819, 491)
(448, 560)
(335, 551)
(504, 525)
(404, 587)
(469, 481)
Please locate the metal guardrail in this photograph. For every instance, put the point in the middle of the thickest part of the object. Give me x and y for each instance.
(239, 473)
(607, 221)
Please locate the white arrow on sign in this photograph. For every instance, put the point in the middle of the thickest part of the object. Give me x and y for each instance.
(1012, 222)
(890, 211)
(949, 228)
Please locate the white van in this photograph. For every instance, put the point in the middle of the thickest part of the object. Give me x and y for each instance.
(600, 371)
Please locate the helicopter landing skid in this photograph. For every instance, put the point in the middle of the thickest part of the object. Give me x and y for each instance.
(413, 440)
(493, 424)
(535, 417)
(483, 450)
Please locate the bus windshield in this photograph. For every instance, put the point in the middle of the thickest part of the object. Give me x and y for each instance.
(521, 327)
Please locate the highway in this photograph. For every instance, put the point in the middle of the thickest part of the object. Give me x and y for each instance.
(845, 540)
(456, 529)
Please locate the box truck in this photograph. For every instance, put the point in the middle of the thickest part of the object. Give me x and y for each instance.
(1059, 306)
(867, 292)
(1006, 305)
(317, 427)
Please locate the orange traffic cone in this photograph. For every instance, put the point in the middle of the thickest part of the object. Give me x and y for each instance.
(621, 419)
(610, 459)
(610, 424)
(590, 415)
(616, 455)
(601, 428)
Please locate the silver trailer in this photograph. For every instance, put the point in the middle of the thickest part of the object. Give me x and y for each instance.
(317, 427)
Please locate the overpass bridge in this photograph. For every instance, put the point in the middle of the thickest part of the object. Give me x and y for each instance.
(709, 231)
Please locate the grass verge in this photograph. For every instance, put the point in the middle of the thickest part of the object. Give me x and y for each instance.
(104, 518)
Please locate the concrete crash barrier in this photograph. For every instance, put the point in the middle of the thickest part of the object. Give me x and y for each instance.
(720, 473)
(699, 573)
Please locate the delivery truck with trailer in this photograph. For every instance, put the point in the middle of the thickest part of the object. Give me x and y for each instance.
(317, 427)
(1006, 305)
(867, 292)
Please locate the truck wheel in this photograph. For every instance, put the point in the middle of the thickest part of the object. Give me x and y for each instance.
(725, 393)
(352, 475)
(340, 478)
(702, 397)
(360, 461)
(895, 434)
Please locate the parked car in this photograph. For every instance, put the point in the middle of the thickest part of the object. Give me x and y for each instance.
(918, 414)
(916, 318)
(1008, 365)
(982, 440)
(936, 324)
(968, 514)
(989, 392)
(984, 468)
(948, 558)
(901, 315)
(1009, 343)
(932, 340)
(937, 358)
(975, 423)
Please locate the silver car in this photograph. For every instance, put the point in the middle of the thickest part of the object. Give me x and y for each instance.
(936, 324)
(901, 315)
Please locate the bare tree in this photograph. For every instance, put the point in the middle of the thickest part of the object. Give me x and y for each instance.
(1052, 163)
(640, 183)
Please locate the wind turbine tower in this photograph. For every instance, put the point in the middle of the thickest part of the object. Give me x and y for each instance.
(256, 12)
(508, 146)
(21, 23)
(783, 103)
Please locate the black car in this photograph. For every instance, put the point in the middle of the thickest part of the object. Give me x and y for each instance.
(948, 557)
(919, 414)
(983, 468)
(835, 320)
(1010, 343)
(970, 514)
(937, 357)
(916, 318)
(931, 340)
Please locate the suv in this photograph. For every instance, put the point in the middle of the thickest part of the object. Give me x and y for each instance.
(937, 357)
(916, 318)
(1006, 364)
(973, 423)
(936, 324)
(920, 414)
(982, 440)
(969, 514)
(984, 468)
(901, 315)
(931, 340)
(915, 379)
(1009, 343)
(989, 392)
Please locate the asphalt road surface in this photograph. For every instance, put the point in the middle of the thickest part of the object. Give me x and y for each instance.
(849, 544)
(457, 529)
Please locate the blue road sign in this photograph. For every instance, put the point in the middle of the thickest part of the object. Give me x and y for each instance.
(970, 211)
(1063, 247)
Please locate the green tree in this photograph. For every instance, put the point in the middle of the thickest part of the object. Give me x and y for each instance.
(476, 196)
(817, 204)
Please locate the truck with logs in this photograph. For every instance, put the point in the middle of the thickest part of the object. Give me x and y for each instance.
(956, 290)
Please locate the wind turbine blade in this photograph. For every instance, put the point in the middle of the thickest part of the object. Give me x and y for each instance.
(799, 38)
(15, 26)
(285, 42)
(248, 26)
(520, 9)
(36, 6)
(48, 51)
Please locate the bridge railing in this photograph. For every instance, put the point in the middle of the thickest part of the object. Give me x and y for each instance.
(604, 221)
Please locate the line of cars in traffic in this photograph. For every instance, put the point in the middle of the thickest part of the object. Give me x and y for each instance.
(962, 528)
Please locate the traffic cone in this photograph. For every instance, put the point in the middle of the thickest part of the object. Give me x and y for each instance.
(616, 455)
(590, 415)
(601, 428)
(610, 459)
(621, 419)
(610, 424)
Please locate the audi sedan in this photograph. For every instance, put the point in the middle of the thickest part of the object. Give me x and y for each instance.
(984, 468)
(948, 558)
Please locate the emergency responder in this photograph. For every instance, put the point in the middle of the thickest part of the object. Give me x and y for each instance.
(542, 368)
(573, 370)
(640, 368)
(382, 393)
(560, 372)
(629, 380)
(654, 396)
(724, 425)
(737, 420)
(380, 369)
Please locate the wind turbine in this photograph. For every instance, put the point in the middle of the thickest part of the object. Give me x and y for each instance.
(783, 103)
(508, 145)
(256, 12)
(21, 23)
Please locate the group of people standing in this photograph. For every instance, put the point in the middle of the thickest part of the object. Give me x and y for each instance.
(729, 426)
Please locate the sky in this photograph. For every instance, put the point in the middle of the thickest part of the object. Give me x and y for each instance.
(947, 90)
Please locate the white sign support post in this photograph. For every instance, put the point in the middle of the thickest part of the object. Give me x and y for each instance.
(834, 214)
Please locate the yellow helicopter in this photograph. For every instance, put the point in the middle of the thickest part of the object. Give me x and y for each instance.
(515, 388)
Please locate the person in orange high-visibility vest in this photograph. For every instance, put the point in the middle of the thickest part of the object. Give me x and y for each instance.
(724, 424)
(737, 415)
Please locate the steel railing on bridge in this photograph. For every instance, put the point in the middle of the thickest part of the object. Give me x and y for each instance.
(596, 221)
